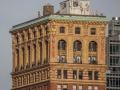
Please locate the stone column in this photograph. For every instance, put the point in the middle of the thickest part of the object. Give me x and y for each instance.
(21, 57)
(43, 51)
(69, 52)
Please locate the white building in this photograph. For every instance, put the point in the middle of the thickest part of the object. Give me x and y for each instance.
(80, 7)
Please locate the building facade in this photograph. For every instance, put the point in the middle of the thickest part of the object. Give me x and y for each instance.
(59, 52)
(113, 55)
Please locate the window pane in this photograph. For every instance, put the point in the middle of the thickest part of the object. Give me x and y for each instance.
(59, 74)
(59, 87)
(74, 74)
(77, 30)
(65, 86)
(89, 87)
(80, 74)
(62, 29)
(93, 31)
(65, 74)
(95, 87)
(80, 87)
(74, 87)
(90, 75)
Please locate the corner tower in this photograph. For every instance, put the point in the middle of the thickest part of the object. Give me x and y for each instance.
(79, 7)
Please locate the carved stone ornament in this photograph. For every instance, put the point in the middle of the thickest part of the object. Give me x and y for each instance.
(13, 39)
(70, 27)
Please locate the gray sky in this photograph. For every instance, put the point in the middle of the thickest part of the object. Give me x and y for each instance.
(13, 12)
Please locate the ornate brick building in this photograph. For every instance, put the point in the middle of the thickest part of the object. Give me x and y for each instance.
(59, 52)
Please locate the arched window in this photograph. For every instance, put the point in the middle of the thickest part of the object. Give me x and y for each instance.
(46, 51)
(61, 45)
(41, 52)
(46, 30)
(28, 57)
(28, 35)
(77, 46)
(62, 51)
(34, 62)
(93, 47)
(77, 30)
(17, 51)
(92, 59)
(23, 55)
(34, 34)
(17, 39)
(23, 38)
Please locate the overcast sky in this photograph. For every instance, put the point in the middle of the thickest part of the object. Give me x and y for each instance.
(13, 12)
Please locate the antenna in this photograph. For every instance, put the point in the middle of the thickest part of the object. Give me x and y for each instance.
(38, 13)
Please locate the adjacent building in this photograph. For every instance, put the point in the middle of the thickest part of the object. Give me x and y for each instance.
(60, 51)
(113, 54)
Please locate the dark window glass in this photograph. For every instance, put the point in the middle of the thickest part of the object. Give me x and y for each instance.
(17, 39)
(93, 47)
(62, 59)
(59, 74)
(77, 59)
(74, 74)
(80, 74)
(93, 31)
(62, 29)
(77, 46)
(34, 33)
(89, 75)
(61, 45)
(28, 36)
(46, 31)
(40, 32)
(77, 30)
(22, 37)
(95, 75)
(65, 74)
(92, 60)
(75, 3)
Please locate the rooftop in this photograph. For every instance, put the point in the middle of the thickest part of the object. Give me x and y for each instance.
(61, 17)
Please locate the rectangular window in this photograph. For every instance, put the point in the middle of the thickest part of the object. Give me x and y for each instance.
(89, 75)
(80, 74)
(61, 59)
(93, 31)
(59, 74)
(80, 87)
(65, 74)
(75, 3)
(95, 75)
(59, 87)
(74, 87)
(64, 87)
(95, 87)
(62, 29)
(74, 74)
(89, 87)
(77, 30)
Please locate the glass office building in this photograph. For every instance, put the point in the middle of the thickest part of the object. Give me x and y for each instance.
(113, 55)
